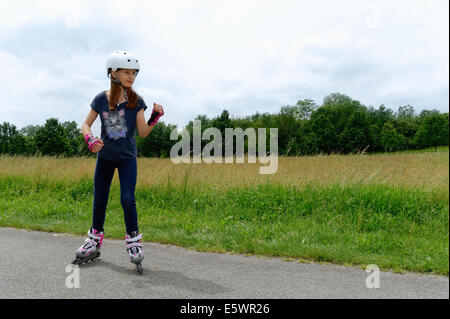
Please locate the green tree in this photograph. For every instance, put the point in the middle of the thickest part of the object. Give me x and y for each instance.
(407, 124)
(425, 113)
(323, 134)
(433, 131)
(340, 109)
(304, 109)
(336, 99)
(29, 130)
(356, 135)
(11, 141)
(221, 122)
(205, 123)
(406, 111)
(288, 126)
(51, 139)
(391, 140)
(29, 133)
(377, 119)
(381, 115)
(73, 134)
(5, 137)
(158, 143)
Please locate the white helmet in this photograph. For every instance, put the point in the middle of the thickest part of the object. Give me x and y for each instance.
(120, 59)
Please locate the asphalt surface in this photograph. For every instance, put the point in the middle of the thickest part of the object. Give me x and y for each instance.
(38, 265)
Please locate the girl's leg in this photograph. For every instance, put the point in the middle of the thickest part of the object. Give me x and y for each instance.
(104, 172)
(128, 176)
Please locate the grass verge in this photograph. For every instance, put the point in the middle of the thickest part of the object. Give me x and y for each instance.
(397, 228)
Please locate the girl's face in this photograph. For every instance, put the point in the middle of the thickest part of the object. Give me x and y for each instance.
(126, 76)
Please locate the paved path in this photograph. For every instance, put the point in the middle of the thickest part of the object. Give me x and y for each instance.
(33, 265)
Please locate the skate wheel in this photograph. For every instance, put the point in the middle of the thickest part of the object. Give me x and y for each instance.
(139, 269)
(76, 261)
(96, 256)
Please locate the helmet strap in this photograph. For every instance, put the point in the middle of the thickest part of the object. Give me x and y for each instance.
(125, 90)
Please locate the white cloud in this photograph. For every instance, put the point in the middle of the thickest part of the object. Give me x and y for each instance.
(199, 57)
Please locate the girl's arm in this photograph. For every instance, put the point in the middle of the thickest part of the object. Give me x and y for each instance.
(143, 129)
(86, 129)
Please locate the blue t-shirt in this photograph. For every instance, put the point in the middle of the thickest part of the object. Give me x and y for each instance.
(118, 129)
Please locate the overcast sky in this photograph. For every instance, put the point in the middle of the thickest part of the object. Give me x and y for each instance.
(200, 57)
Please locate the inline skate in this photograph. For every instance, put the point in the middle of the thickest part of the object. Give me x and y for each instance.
(90, 250)
(134, 248)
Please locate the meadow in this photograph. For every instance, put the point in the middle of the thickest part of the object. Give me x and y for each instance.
(389, 209)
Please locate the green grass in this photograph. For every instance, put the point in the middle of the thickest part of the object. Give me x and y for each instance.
(398, 229)
(423, 150)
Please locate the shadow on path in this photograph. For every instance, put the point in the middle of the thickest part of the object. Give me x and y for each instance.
(152, 277)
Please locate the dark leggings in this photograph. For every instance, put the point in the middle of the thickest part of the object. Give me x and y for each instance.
(104, 172)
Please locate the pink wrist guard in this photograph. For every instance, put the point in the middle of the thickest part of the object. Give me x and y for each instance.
(90, 140)
(155, 117)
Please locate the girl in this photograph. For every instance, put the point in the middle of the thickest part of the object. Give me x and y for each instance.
(121, 111)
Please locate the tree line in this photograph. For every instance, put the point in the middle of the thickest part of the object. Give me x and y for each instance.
(341, 125)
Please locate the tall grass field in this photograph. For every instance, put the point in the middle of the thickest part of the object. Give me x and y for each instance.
(391, 210)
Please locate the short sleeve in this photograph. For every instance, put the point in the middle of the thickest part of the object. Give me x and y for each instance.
(141, 105)
(94, 105)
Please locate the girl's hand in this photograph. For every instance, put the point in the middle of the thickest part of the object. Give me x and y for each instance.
(157, 108)
(97, 147)
(94, 144)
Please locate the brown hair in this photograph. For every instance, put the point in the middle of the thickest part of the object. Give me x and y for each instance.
(114, 96)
